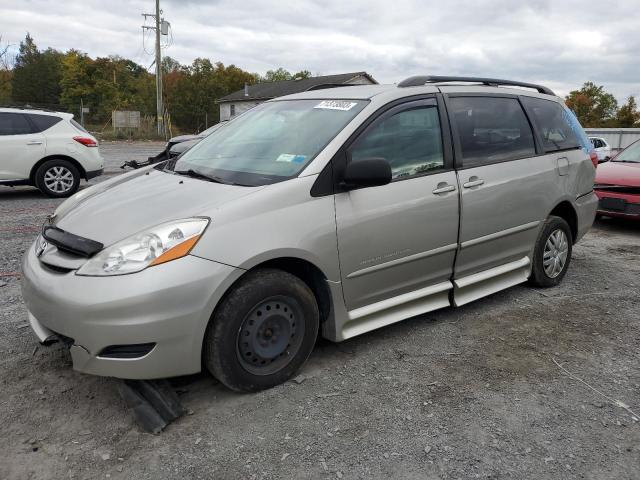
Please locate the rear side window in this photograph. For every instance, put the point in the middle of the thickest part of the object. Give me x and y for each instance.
(44, 122)
(14, 124)
(491, 130)
(554, 124)
(409, 140)
(78, 126)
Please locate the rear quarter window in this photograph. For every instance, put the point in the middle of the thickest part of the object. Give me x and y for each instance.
(78, 126)
(43, 122)
(557, 126)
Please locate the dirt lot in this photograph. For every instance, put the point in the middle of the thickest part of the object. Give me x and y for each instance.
(475, 392)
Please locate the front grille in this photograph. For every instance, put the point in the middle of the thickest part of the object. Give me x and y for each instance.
(55, 268)
(618, 205)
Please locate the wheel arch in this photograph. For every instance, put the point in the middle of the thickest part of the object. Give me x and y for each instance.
(567, 211)
(34, 169)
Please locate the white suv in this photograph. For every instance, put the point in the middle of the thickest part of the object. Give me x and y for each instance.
(46, 149)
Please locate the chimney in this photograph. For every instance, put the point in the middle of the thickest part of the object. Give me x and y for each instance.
(246, 89)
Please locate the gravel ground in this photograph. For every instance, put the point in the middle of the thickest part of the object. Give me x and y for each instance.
(489, 390)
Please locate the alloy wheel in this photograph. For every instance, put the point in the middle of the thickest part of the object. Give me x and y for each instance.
(59, 179)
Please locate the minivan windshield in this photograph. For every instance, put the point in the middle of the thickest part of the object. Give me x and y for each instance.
(270, 143)
(630, 155)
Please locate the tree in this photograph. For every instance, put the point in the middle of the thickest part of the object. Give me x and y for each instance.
(36, 74)
(628, 115)
(592, 105)
(76, 81)
(276, 75)
(6, 73)
(301, 74)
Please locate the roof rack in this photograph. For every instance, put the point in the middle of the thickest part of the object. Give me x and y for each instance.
(322, 86)
(419, 80)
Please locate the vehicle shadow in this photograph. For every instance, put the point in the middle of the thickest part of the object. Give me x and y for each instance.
(617, 225)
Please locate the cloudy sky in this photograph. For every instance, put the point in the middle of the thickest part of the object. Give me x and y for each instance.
(561, 44)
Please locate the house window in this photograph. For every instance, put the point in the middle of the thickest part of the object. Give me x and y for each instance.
(233, 110)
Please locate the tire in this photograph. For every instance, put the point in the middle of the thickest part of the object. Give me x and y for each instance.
(57, 178)
(262, 332)
(554, 246)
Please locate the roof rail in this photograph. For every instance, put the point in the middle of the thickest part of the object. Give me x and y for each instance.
(419, 80)
(322, 86)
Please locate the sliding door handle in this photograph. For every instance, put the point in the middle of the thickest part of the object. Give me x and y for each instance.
(444, 188)
(34, 142)
(473, 182)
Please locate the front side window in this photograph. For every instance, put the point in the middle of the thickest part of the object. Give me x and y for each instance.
(270, 143)
(14, 124)
(410, 141)
(491, 129)
(554, 123)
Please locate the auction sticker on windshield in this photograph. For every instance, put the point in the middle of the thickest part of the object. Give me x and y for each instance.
(336, 105)
(287, 157)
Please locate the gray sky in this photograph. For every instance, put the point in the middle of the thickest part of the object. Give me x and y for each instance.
(560, 44)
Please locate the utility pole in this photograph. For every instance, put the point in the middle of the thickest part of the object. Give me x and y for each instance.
(158, 61)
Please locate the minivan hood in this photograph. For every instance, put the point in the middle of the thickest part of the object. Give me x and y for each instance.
(144, 201)
(618, 173)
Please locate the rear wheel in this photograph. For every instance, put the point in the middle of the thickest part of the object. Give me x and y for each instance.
(262, 332)
(552, 253)
(57, 178)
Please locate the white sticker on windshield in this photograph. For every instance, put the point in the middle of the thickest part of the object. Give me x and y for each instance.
(336, 105)
(289, 158)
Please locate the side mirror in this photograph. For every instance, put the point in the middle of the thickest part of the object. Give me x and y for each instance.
(370, 172)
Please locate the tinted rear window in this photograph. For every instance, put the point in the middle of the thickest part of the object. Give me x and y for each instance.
(44, 122)
(14, 124)
(554, 124)
(491, 130)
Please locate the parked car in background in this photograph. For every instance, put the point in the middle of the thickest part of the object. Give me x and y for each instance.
(602, 148)
(329, 212)
(48, 150)
(173, 148)
(617, 184)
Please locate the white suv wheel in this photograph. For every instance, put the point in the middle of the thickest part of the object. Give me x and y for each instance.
(59, 179)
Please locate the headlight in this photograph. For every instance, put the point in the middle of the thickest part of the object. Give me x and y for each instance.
(157, 245)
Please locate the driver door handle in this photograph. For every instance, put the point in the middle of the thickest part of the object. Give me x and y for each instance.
(444, 188)
(34, 142)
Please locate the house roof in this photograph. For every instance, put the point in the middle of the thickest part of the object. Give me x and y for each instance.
(269, 90)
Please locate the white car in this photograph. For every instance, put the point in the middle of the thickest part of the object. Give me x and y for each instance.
(48, 150)
(602, 148)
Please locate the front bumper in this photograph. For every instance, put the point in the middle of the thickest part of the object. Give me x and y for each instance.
(621, 205)
(169, 305)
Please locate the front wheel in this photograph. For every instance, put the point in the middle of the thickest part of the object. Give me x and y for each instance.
(552, 253)
(262, 332)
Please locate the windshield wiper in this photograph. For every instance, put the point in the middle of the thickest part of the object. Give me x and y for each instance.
(193, 174)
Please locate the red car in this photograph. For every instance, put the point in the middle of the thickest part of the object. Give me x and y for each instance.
(618, 184)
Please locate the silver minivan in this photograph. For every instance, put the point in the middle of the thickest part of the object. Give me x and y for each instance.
(331, 212)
